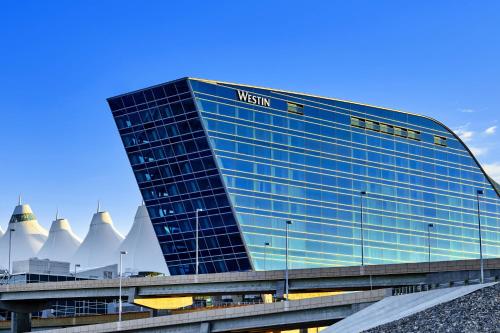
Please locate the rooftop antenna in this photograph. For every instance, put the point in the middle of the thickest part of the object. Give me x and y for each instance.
(20, 201)
(98, 206)
(57, 214)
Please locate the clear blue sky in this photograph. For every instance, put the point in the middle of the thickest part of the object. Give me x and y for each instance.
(60, 60)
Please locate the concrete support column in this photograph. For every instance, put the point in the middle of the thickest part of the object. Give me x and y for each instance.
(205, 328)
(20, 322)
(280, 289)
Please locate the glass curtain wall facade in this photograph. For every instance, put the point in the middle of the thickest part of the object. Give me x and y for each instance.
(361, 184)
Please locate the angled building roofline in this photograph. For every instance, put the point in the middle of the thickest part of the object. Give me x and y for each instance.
(153, 86)
(492, 183)
(306, 94)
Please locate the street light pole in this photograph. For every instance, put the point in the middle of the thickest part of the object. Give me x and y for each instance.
(11, 230)
(478, 193)
(362, 194)
(122, 253)
(198, 210)
(76, 266)
(286, 258)
(429, 226)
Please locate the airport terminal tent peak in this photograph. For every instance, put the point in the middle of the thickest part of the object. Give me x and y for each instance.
(62, 243)
(100, 246)
(143, 250)
(28, 236)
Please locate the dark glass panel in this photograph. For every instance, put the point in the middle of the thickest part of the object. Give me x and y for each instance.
(115, 103)
(128, 100)
(139, 97)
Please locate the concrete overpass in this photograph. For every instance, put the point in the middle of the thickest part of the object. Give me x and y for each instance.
(261, 282)
(251, 318)
(25, 298)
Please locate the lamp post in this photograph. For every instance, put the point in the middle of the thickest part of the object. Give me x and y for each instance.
(362, 194)
(429, 226)
(76, 266)
(198, 210)
(288, 222)
(478, 193)
(266, 244)
(11, 230)
(122, 253)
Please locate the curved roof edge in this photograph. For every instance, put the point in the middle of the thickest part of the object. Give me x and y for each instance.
(493, 184)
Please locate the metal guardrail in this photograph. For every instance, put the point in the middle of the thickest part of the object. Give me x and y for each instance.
(425, 287)
(410, 289)
(225, 304)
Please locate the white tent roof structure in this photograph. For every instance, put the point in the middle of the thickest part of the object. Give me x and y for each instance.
(62, 242)
(143, 250)
(27, 238)
(100, 246)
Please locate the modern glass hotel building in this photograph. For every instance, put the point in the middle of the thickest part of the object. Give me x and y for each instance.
(360, 184)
